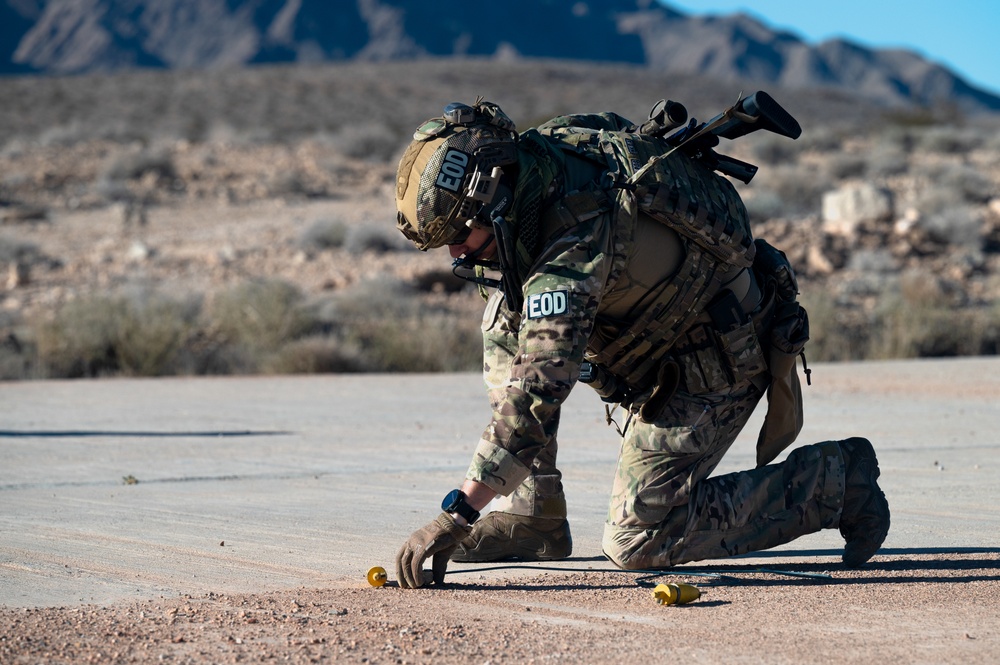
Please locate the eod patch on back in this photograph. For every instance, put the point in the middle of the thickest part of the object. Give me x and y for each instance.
(453, 169)
(551, 303)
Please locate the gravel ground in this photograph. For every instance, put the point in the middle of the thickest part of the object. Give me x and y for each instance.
(92, 570)
(913, 609)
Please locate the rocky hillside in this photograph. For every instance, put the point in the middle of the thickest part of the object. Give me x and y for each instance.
(78, 36)
(161, 223)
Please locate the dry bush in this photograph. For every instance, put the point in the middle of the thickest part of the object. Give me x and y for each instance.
(259, 316)
(324, 234)
(17, 251)
(440, 281)
(258, 326)
(949, 140)
(291, 183)
(926, 330)
(831, 337)
(887, 160)
(914, 318)
(79, 340)
(153, 331)
(317, 354)
(797, 189)
(396, 332)
(844, 166)
(772, 149)
(375, 238)
(957, 225)
(16, 354)
(137, 334)
(369, 141)
(821, 137)
(763, 204)
(136, 164)
(969, 183)
(434, 342)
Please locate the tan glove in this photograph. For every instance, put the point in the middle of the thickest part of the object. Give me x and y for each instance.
(438, 539)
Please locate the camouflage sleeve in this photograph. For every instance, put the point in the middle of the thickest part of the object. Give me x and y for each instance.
(532, 361)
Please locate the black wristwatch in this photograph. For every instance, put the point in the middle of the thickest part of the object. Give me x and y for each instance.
(455, 503)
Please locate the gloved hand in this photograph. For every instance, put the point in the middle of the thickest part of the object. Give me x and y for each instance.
(438, 539)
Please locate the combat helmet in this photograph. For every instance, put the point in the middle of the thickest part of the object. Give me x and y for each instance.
(450, 179)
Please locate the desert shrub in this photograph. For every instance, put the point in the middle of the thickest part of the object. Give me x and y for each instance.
(991, 141)
(439, 280)
(820, 139)
(14, 364)
(957, 225)
(379, 297)
(375, 238)
(914, 318)
(831, 338)
(287, 183)
(372, 142)
(773, 149)
(79, 340)
(924, 330)
(906, 119)
(324, 234)
(152, 332)
(436, 342)
(843, 166)
(260, 316)
(16, 354)
(763, 204)
(316, 354)
(136, 164)
(887, 161)
(140, 334)
(799, 189)
(948, 139)
(969, 183)
(66, 134)
(395, 332)
(872, 261)
(13, 250)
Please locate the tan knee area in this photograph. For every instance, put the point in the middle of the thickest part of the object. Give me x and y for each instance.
(619, 546)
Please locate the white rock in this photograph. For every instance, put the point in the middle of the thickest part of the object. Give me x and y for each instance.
(845, 208)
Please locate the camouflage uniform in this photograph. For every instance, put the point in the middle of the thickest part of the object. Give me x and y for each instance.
(664, 508)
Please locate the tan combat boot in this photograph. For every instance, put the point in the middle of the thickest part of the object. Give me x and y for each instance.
(499, 536)
(864, 521)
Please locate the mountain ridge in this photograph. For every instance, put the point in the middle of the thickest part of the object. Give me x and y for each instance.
(66, 37)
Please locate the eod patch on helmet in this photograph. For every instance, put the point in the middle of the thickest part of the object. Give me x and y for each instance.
(450, 175)
(453, 169)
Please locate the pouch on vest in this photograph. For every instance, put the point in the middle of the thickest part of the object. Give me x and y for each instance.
(789, 332)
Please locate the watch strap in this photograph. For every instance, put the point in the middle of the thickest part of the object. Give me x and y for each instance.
(456, 502)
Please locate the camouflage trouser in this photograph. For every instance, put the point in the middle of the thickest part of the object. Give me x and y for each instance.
(665, 510)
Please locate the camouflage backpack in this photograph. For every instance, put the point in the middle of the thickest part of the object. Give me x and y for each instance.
(687, 196)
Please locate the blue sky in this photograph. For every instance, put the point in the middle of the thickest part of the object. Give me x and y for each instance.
(963, 35)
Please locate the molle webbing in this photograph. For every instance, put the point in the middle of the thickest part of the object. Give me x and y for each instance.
(685, 195)
(638, 349)
(702, 208)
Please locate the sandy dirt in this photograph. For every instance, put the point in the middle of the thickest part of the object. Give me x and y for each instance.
(913, 609)
(94, 571)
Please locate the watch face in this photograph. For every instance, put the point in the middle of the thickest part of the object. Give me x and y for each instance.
(450, 502)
